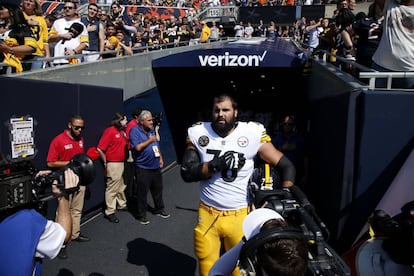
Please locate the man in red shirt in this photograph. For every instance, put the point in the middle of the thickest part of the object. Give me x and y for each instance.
(61, 150)
(112, 147)
(129, 169)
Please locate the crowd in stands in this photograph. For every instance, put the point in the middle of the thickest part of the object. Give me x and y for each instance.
(117, 31)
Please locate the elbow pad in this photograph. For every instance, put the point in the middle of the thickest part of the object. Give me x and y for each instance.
(286, 167)
(191, 166)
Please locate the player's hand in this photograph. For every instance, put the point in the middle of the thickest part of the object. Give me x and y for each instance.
(228, 161)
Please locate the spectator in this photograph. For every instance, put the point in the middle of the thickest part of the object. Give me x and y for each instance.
(104, 18)
(324, 39)
(19, 42)
(345, 42)
(111, 42)
(112, 148)
(271, 31)
(260, 30)
(313, 30)
(62, 149)
(70, 40)
(125, 46)
(223, 166)
(248, 31)
(215, 32)
(96, 34)
(148, 161)
(184, 33)
(239, 30)
(277, 256)
(395, 51)
(34, 15)
(205, 32)
(369, 32)
(27, 236)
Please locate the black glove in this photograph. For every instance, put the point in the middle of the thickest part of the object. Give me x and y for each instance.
(228, 161)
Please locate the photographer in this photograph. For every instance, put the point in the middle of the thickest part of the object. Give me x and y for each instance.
(27, 237)
(148, 164)
(278, 256)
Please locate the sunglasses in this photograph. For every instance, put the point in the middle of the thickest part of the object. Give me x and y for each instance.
(78, 127)
(68, 8)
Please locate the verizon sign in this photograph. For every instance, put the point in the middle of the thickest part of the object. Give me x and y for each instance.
(228, 60)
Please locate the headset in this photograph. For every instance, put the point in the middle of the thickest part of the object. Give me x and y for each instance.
(248, 261)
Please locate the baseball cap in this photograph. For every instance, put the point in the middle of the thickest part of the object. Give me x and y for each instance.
(202, 22)
(255, 220)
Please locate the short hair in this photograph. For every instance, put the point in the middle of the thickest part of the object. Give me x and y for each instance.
(222, 97)
(143, 114)
(75, 117)
(135, 113)
(283, 257)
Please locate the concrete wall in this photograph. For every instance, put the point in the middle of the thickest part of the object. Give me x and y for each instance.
(133, 74)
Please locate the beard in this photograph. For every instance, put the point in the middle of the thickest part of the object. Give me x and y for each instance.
(223, 129)
(75, 136)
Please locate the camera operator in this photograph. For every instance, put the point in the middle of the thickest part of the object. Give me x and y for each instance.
(278, 256)
(26, 236)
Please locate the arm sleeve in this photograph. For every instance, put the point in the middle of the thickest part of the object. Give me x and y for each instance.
(287, 169)
(51, 240)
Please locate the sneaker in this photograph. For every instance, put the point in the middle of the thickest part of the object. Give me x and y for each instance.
(82, 238)
(63, 254)
(125, 209)
(162, 214)
(143, 220)
(112, 218)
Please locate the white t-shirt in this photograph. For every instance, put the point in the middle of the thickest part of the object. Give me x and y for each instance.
(62, 26)
(396, 48)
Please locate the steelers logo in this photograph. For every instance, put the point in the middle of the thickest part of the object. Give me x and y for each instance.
(203, 141)
(243, 142)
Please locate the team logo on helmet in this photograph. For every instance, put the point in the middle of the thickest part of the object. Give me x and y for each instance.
(203, 141)
(243, 142)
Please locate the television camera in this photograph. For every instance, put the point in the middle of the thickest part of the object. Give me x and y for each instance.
(296, 209)
(19, 185)
(157, 119)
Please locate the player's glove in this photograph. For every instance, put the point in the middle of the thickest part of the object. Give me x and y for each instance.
(228, 161)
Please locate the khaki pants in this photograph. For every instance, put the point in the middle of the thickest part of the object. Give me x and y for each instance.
(115, 187)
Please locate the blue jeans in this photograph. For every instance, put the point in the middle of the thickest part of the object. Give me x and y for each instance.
(37, 62)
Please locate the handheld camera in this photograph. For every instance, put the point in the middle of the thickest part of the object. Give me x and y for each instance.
(293, 205)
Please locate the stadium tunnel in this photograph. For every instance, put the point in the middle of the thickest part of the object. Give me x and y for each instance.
(263, 75)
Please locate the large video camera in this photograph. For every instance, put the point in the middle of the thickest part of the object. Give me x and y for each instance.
(296, 209)
(19, 186)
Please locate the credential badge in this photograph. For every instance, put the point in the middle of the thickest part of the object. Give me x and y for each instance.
(243, 142)
(203, 141)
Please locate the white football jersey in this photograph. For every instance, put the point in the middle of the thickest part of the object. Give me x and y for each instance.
(228, 190)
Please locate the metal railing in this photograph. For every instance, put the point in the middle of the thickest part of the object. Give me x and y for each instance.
(366, 73)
